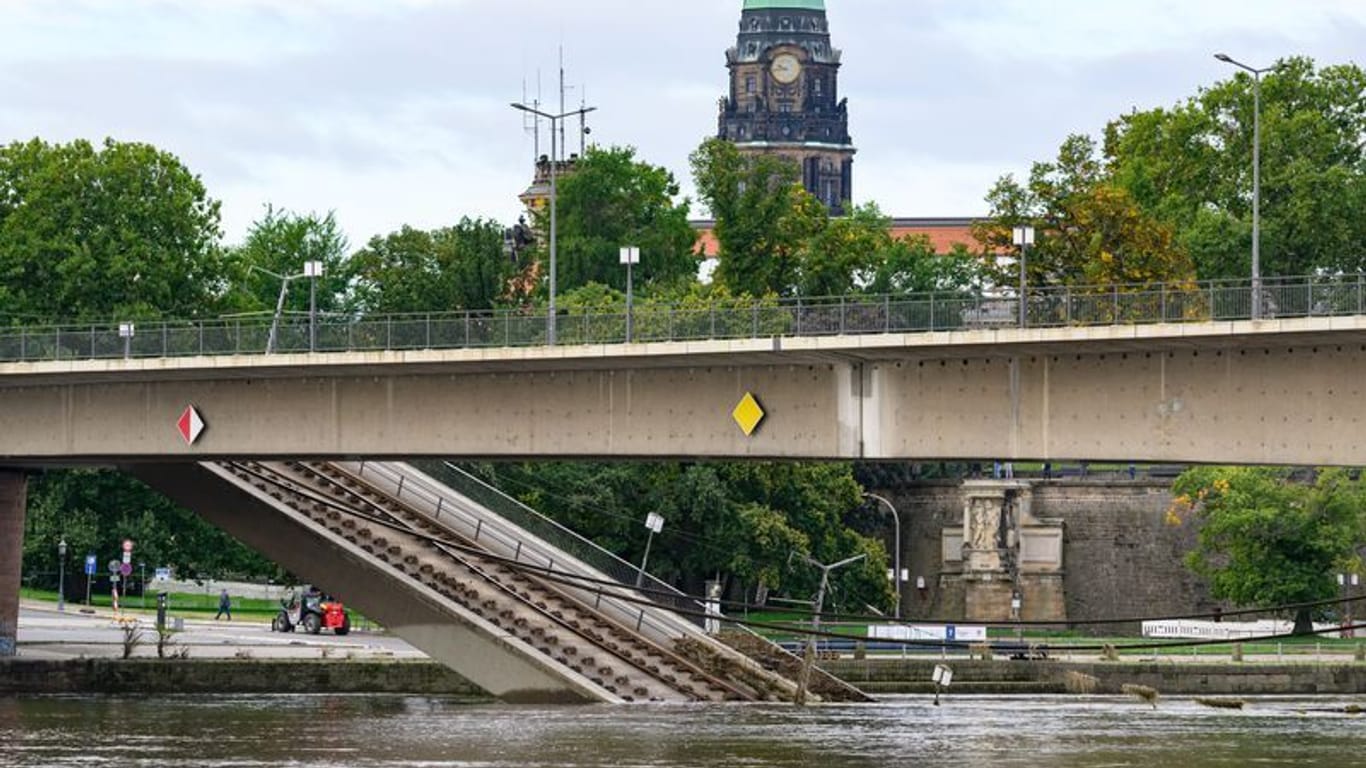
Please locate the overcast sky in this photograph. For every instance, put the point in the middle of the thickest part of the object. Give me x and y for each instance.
(396, 112)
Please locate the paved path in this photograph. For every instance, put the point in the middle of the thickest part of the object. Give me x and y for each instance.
(44, 633)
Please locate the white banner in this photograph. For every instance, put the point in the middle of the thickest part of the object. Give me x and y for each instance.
(940, 632)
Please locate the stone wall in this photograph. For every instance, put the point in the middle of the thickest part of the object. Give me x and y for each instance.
(1120, 558)
(146, 676)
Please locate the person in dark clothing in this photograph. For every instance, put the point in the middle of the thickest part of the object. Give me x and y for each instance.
(224, 606)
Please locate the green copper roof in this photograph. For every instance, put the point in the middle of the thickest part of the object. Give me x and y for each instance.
(805, 5)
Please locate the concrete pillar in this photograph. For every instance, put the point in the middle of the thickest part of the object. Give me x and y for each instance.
(13, 499)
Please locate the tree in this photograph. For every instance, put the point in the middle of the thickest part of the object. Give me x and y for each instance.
(278, 245)
(763, 217)
(95, 510)
(743, 521)
(123, 231)
(1265, 540)
(1191, 167)
(611, 200)
(452, 268)
(1090, 231)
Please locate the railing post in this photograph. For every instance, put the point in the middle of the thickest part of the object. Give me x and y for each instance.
(517, 553)
(1212, 314)
(23, 344)
(1067, 305)
(92, 342)
(755, 333)
(887, 312)
(933, 325)
(478, 526)
(398, 494)
(1114, 303)
(798, 324)
(713, 322)
(467, 329)
(671, 323)
(389, 334)
(844, 325)
(429, 330)
(439, 500)
(1359, 275)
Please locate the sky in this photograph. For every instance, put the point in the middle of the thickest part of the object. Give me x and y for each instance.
(394, 112)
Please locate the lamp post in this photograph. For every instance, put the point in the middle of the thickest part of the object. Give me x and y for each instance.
(554, 173)
(313, 270)
(1023, 237)
(655, 523)
(809, 657)
(61, 574)
(896, 550)
(630, 255)
(1256, 176)
(279, 303)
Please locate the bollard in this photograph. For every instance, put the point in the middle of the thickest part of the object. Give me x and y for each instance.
(161, 611)
(7, 641)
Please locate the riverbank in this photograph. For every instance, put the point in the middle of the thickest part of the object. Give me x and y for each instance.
(876, 676)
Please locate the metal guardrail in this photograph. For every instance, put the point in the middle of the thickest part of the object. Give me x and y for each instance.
(737, 319)
(557, 535)
(504, 538)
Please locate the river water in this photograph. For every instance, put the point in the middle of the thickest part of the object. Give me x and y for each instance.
(338, 731)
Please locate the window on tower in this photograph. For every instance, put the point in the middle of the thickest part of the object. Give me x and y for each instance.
(749, 84)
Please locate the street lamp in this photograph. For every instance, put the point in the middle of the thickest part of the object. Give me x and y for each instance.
(279, 302)
(655, 523)
(554, 173)
(1256, 176)
(61, 574)
(313, 270)
(809, 656)
(896, 557)
(630, 255)
(1023, 237)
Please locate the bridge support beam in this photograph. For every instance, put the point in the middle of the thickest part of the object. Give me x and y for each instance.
(13, 500)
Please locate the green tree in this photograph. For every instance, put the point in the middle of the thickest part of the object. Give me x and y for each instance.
(742, 521)
(1191, 166)
(95, 510)
(611, 200)
(1089, 230)
(278, 245)
(452, 268)
(1265, 540)
(763, 217)
(116, 232)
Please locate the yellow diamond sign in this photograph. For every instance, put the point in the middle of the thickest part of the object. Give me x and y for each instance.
(748, 414)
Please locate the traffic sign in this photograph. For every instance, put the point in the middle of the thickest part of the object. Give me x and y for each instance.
(190, 425)
(114, 566)
(127, 558)
(162, 574)
(127, 545)
(126, 569)
(92, 564)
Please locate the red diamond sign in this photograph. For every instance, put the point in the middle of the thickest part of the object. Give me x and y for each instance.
(190, 425)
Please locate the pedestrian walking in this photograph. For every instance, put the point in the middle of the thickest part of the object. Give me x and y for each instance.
(224, 606)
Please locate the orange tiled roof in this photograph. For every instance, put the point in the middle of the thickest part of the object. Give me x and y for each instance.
(944, 233)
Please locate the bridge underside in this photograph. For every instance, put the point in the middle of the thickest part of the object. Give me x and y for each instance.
(1222, 395)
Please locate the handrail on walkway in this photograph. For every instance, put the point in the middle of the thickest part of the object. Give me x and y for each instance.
(1045, 307)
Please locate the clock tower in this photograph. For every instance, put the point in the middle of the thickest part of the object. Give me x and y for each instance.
(784, 95)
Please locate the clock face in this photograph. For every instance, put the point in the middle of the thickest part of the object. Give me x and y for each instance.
(786, 68)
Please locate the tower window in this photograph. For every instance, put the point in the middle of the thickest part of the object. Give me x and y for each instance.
(749, 84)
(816, 84)
(786, 23)
(784, 107)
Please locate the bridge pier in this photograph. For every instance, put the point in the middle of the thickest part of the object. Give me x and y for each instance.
(13, 499)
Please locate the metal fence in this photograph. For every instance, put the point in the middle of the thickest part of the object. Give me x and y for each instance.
(1187, 302)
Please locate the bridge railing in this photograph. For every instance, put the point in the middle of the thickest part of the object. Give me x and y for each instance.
(1045, 307)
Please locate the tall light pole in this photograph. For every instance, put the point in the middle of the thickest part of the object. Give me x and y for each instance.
(313, 270)
(896, 557)
(279, 303)
(1256, 176)
(61, 574)
(1023, 237)
(630, 255)
(809, 657)
(554, 174)
(655, 523)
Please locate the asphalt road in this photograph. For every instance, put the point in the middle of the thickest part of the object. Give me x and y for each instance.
(44, 633)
